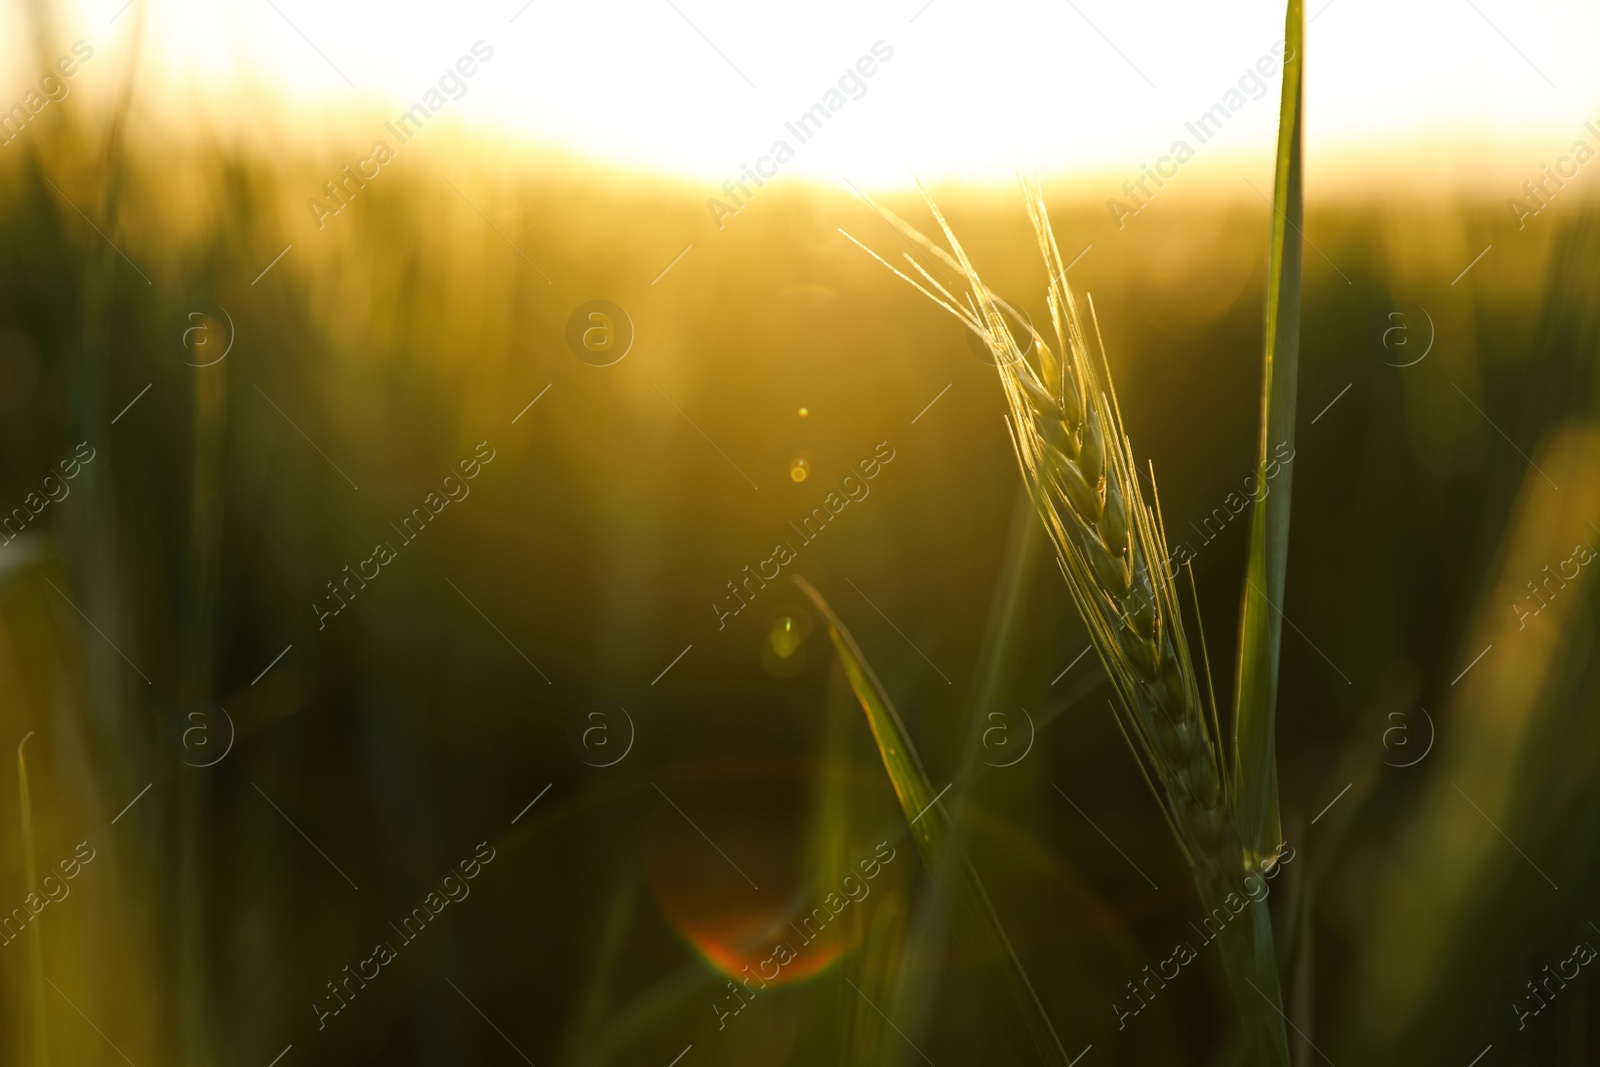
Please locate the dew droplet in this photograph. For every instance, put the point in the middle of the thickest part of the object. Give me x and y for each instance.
(799, 469)
(804, 412)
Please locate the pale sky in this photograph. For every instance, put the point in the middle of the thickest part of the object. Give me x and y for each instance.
(973, 87)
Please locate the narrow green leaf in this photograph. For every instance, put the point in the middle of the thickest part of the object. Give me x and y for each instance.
(931, 830)
(900, 759)
(1260, 621)
(917, 994)
(41, 1051)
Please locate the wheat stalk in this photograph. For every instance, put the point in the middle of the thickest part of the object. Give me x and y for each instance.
(1078, 463)
(1076, 458)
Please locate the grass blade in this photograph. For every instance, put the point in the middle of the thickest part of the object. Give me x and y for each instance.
(36, 932)
(1260, 624)
(916, 998)
(900, 759)
(930, 829)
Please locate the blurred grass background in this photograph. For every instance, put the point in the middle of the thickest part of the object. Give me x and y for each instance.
(425, 317)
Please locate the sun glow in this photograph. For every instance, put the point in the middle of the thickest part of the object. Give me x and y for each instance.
(945, 89)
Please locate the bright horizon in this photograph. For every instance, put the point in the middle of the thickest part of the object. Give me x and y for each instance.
(701, 89)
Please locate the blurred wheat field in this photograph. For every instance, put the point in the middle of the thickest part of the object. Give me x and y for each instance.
(269, 787)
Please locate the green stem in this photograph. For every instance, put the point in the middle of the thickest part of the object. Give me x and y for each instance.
(1251, 969)
(41, 1051)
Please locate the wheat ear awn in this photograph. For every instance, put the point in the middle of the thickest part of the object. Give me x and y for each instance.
(1079, 466)
(1076, 458)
